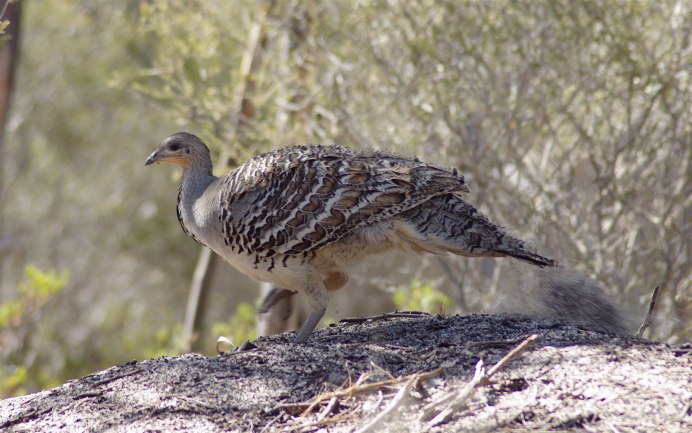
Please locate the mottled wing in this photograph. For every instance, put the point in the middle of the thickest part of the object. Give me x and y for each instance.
(296, 200)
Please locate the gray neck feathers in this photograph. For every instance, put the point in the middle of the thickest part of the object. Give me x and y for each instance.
(196, 179)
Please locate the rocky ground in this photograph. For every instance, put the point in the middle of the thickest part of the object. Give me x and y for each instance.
(395, 372)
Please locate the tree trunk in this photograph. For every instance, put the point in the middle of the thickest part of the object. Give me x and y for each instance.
(9, 52)
(200, 286)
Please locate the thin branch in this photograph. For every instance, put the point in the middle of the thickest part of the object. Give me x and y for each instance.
(460, 398)
(385, 316)
(650, 314)
(204, 270)
(4, 9)
(357, 389)
(328, 409)
(453, 278)
(393, 405)
(510, 357)
(270, 423)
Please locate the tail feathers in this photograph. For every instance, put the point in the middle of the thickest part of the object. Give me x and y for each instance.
(527, 256)
(449, 224)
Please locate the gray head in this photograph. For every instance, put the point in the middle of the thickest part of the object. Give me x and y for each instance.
(183, 149)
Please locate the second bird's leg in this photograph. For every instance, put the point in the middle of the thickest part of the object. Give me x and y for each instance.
(317, 299)
(272, 298)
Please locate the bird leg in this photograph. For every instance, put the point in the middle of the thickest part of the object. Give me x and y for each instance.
(309, 325)
(317, 299)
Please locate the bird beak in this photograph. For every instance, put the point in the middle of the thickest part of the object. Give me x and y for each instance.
(152, 158)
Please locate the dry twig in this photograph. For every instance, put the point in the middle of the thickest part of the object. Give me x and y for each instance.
(650, 314)
(327, 410)
(385, 316)
(396, 402)
(509, 357)
(357, 389)
(460, 398)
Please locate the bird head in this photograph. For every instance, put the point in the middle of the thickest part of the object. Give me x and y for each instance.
(183, 149)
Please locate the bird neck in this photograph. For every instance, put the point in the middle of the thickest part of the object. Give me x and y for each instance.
(196, 178)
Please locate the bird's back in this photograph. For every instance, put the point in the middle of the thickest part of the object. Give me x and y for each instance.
(295, 201)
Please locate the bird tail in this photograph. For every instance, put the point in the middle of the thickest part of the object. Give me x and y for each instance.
(520, 252)
(449, 224)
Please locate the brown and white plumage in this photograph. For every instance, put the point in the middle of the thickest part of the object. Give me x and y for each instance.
(300, 217)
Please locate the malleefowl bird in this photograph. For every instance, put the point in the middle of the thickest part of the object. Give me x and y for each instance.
(300, 217)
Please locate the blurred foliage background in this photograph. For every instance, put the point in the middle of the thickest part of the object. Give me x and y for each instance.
(571, 120)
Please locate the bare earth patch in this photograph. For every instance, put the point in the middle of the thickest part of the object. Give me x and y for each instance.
(398, 372)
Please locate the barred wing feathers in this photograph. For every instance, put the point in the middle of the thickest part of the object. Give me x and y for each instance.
(296, 200)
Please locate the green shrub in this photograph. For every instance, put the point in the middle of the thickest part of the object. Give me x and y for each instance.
(18, 319)
(240, 327)
(421, 297)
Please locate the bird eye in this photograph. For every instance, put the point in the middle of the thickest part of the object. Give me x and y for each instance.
(174, 147)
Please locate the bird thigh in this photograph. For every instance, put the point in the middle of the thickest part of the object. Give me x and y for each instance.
(316, 292)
